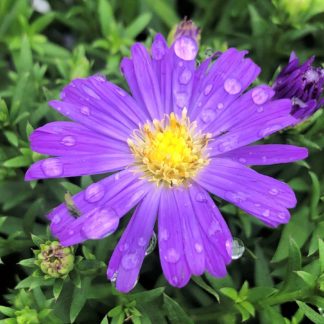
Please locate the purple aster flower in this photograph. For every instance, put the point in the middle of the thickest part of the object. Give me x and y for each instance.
(185, 132)
(304, 84)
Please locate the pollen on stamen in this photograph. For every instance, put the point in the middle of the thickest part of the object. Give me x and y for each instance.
(169, 151)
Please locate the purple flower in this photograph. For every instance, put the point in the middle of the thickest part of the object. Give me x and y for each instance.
(184, 133)
(303, 84)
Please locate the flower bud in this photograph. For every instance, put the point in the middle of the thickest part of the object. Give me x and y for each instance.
(55, 260)
(303, 84)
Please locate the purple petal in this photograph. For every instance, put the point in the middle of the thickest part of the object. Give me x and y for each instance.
(101, 206)
(72, 166)
(259, 195)
(69, 138)
(128, 256)
(101, 106)
(215, 233)
(147, 82)
(191, 234)
(171, 244)
(266, 154)
(227, 78)
(274, 117)
(162, 58)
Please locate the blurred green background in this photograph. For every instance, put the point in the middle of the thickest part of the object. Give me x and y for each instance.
(43, 46)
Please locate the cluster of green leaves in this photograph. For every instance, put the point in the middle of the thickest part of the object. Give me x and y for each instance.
(279, 279)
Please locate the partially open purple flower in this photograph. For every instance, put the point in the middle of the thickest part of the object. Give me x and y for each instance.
(303, 84)
(184, 132)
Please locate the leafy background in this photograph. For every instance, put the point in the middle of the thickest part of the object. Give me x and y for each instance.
(279, 278)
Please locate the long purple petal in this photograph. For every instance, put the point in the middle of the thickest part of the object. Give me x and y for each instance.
(266, 154)
(128, 256)
(259, 195)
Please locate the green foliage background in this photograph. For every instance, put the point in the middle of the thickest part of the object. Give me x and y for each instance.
(280, 277)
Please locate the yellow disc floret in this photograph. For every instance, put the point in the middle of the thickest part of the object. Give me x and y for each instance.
(169, 151)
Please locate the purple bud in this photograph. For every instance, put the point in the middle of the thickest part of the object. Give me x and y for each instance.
(303, 84)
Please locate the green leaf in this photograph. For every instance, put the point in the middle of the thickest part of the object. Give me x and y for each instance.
(7, 311)
(262, 271)
(57, 288)
(299, 228)
(29, 263)
(321, 254)
(315, 195)
(147, 296)
(106, 18)
(201, 283)
(18, 162)
(79, 299)
(175, 312)
(164, 11)
(3, 111)
(11, 137)
(230, 293)
(308, 278)
(138, 25)
(310, 313)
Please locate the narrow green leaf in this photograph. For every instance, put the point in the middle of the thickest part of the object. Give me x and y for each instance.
(17, 162)
(321, 254)
(310, 313)
(230, 293)
(201, 283)
(175, 313)
(315, 195)
(138, 25)
(308, 278)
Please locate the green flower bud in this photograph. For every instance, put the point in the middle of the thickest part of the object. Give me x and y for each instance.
(55, 260)
(27, 316)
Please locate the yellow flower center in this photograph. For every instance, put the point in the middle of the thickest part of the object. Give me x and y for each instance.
(169, 151)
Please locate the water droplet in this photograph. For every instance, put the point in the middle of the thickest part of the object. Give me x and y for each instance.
(185, 76)
(172, 256)
(264, 158)
(121, 92)
(141, 241)
(56, 219)
(181, 99)
(259, 109)
(282, 215)
(274, 191)
(117, 176)
(266, 213)
(198, 247)
(99, 78)
(52, 167)
(208, 115)
(85, 110)
(208, 89)
(312, 76)
(158, 49)
(321, 311)
(238, 249)
(68, 140)
(90, 92)
(186, 48)
(100, 224)
(220, 106)
(152, 244)
(232, 86)
(180, 64)
(259, 96)
(130, 261)
(123, 247)
(112, 275)
(70, 232)
(175, 280)
(226, 146)
(94, 192)
(164, 234)
(200, 197)
(214, 228)
(237, 197)
(269, 130)
(242, 160)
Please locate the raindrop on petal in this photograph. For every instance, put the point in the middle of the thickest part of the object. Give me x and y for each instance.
(232, 86)
(152, 244)
(172, 256)
(214, 228)
(185, 76)
(259, 96)
(85, 110)
(52, 167)
(164, 234)
(130, 261)
(208, 89)
(200, 197)
(266, 213)
(208, 115)
(220, 106)
(56, 219)
(181, 99)
(186, 48)
(94, 192)
(238, 249)
(68, 140)
(274, 191)
(100, 224)
(198, 247)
